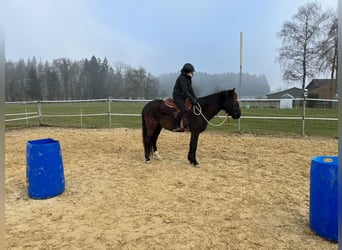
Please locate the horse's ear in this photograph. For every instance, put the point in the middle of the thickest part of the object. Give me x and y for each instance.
(233, 89)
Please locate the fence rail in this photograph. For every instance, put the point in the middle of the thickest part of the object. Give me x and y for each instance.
(257, 113)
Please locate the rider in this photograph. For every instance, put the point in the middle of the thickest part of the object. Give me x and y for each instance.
(182, 90)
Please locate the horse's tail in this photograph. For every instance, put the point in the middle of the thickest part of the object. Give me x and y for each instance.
(144, 128)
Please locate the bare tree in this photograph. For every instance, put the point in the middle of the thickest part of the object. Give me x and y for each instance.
(299, 51)
(327, 62)
(328, 55)
(134, 79)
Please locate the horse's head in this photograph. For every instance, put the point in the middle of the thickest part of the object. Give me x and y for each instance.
(231, 104)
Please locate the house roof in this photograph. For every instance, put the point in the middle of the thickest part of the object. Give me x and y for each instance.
(325, 88)
(295, 92)
(317, 83)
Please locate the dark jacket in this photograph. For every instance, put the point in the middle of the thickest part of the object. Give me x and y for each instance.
(183, 88)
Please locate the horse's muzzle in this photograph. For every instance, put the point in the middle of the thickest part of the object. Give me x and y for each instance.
(236, 114)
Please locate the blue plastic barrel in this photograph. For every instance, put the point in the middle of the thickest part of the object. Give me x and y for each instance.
(44, 168)
(323, 196)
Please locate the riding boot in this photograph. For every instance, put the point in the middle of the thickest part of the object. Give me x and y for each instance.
(176, 127)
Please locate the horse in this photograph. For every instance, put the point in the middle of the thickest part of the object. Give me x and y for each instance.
(154, 119)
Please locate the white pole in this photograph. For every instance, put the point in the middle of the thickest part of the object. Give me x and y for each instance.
(109, 112)
(240, 75)
(2, 129)
(339, 83)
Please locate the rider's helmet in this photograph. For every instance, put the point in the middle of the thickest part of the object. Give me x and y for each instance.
(188, 67)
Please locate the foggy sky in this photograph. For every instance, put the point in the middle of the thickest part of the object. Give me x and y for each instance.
(159, 36)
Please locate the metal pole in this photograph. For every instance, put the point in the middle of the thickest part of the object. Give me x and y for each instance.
(305, 94)
(303, 117)
(240, 83)
(339, 86)
(2, 130)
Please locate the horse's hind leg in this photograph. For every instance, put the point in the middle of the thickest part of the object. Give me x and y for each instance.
(147, 135)
(154, 142)
(147, 147)
(150, 141)
(147, 152)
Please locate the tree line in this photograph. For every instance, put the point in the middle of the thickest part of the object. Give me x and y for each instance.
(64, 79)
(252, 85)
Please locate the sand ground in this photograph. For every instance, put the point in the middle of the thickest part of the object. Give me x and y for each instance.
(251, 192)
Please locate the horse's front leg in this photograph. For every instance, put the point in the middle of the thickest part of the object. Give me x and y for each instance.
(193, 148)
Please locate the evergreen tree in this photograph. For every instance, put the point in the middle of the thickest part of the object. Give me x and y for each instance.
(63, 68)
(10, 89)
(53, 87)
(33, 85)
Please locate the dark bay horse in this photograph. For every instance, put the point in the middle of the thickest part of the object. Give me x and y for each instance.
(153, 120)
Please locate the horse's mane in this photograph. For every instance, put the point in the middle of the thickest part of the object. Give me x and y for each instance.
(213, 96)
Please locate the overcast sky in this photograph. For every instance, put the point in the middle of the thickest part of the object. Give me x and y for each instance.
(158, 35)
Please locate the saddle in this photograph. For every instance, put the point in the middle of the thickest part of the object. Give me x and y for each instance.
(169, 107)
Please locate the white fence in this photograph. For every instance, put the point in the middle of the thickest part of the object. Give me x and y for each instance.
(248, 106)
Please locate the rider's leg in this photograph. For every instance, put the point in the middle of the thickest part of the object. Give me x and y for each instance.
(181, 106)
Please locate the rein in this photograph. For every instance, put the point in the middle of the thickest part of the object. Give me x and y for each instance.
(197, 109)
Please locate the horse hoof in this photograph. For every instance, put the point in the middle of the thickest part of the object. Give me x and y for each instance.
(195, 164)
(156, 155)
(148, 161)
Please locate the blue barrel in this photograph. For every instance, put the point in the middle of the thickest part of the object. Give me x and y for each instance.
(44, 168)
(323, 196)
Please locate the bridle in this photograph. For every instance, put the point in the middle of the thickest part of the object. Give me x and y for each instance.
(197, 109)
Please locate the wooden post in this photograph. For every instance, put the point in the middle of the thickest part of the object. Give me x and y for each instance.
(40, 112)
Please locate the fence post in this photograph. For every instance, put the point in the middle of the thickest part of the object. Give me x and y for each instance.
(305, 94)
(81, 117)
(40, 112)
(26, 117)
(109, 112)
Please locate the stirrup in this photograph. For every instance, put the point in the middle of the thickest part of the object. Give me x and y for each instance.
(178, 129)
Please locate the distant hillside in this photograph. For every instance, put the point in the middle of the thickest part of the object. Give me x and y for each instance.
(205, 84)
